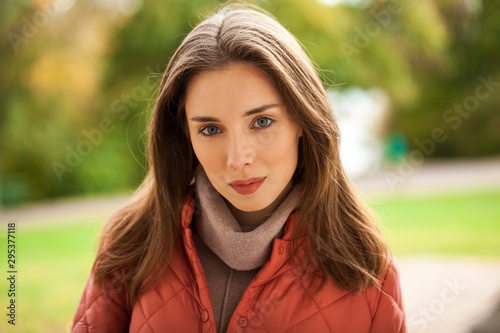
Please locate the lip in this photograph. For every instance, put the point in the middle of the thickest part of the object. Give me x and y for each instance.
(247, 186)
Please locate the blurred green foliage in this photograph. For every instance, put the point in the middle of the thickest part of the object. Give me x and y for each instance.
(78, 79)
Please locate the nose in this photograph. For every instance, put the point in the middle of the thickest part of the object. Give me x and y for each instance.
(240, 153)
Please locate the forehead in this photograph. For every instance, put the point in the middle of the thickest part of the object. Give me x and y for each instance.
(239, 87)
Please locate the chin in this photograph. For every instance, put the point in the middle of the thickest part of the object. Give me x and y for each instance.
(246, 205)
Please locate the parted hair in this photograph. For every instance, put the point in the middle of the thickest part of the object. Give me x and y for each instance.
(343, 240)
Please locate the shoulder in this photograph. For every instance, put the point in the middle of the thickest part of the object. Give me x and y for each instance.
(385, 300)
(103, 308)
(389, 283)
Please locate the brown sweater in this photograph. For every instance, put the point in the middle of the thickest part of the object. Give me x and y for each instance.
(230, 257)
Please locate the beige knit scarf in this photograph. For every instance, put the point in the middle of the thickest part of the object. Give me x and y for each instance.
(220, 231)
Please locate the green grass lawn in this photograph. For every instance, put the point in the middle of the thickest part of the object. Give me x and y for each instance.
(54, 261)
(53, 264)
(465, 224)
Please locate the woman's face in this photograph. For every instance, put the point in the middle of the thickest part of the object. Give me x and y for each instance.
(242, 135)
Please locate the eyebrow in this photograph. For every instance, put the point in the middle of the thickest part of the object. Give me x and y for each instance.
(246, 114)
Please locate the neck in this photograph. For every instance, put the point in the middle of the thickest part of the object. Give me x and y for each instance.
(249, 221)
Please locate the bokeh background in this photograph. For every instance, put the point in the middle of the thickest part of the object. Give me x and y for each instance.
(414, 84)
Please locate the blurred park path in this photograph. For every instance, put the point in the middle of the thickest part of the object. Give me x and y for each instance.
(432, 176)
(441, 294)
(448, 294)
(65, 210)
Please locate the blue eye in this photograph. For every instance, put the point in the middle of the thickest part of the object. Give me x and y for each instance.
(263, 122)
(209, 130)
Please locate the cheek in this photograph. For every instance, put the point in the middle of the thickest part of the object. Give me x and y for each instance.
(282, 151)
(210, 155)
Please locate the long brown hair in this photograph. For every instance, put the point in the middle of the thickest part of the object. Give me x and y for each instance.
(343, 239)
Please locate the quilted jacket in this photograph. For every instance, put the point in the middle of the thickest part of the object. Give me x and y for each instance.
(277, 300)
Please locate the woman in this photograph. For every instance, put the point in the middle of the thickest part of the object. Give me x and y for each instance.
(246, 220)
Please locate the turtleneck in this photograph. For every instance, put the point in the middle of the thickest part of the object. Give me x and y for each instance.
(239, 249)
